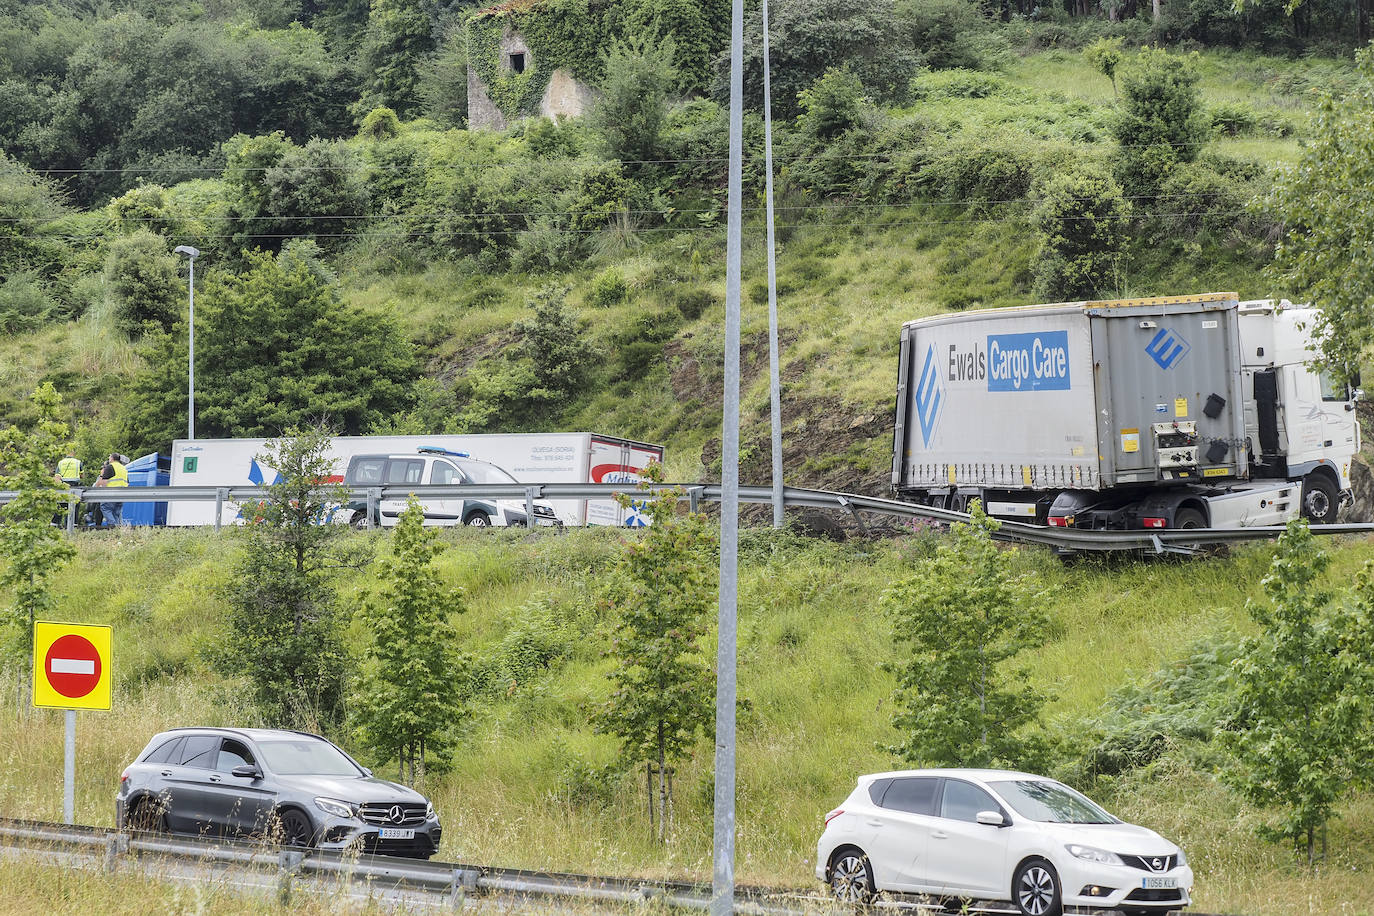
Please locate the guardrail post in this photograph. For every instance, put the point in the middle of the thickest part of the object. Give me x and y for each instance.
(854, 511)
(220, 495)
(115, 845)
(290, 863)
(529, 507)
(463, 880)
(374, 507)
(693, 499)
(72, 505)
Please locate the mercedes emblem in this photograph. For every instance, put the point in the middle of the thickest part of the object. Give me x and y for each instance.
(397, 815)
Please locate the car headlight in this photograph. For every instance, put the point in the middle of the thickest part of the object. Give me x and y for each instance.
(334, 806)
(1182, 859)
(1093, 854)
(429, 811)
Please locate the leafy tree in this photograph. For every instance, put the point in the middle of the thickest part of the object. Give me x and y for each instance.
(317, 191)
(398, 39)
(1081, 223)
(34, 548)
(945, 34)
(1301, 736)
(809, 37)
(964, 615)
(1326, 255)
(407, 699)
(284, 632)
(832, 105)
(662, 591)
(1105, 56)
(1161, 121)
(629, 114)
(697, 29)
(554, 344)
(275, 348)
(143, 278)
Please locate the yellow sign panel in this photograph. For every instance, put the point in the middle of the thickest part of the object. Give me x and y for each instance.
(1130, 440)
(1180, 407)
(71, 665)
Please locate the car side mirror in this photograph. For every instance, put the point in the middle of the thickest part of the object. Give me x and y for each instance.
(246, 771)
(992, 818)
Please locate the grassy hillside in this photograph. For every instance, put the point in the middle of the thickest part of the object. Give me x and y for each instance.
(932, 233)
(532, 784)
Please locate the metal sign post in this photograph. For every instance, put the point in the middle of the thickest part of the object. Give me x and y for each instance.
(71, 671)
(774, 379)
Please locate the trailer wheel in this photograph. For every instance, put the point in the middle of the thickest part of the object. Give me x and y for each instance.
(1319, 499)
(1189, 518)
(360, 521)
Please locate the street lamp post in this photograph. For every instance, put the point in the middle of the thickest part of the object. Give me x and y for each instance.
(191, 254)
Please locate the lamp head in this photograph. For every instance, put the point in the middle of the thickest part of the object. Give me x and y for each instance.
(187, 250)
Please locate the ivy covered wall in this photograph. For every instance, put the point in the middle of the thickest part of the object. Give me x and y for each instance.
(557, 34)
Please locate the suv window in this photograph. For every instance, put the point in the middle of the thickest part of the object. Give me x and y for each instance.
(962, 801)
(200, 751)
(443, 472)
(405, 470)
(367, 471)
(166, 752)
(915, 795)
(233, 754)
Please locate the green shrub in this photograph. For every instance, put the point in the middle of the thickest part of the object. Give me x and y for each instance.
(637, 358)
(692, 301)
(959, 84)
(832, 105)
(1081, 224)
(380, 124)
(1233, 118)
(608, 289)
(24, 303)
(144, 280)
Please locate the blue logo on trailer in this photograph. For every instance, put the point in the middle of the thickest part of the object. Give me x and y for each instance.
(636, 516)
(1028, 362)
(1167, 348)
(929, 396)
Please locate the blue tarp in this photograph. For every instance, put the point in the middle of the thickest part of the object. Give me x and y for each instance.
(154, 470)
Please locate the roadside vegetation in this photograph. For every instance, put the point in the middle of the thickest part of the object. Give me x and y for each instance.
(1134, 666)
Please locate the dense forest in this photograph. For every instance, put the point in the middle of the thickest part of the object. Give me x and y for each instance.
(368, 260)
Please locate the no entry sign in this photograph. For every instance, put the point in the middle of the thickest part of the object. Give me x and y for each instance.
(71, 665)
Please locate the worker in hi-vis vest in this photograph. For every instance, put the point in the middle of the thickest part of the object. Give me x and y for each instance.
(113, 474)
(69, 470)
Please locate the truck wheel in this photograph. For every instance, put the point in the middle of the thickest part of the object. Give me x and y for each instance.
(1189, 518)
(1319, 499)
(360, 521)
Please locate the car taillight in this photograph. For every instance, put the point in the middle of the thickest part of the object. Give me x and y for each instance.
(124, 777)
(1155, 522)
(832, 815)
(1060, 521)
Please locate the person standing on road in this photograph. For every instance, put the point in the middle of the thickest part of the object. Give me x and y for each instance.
(69, 474)
(113, 474)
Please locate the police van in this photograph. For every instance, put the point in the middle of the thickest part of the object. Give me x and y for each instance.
(434, 465)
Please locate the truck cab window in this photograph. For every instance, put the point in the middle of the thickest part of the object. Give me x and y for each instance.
(1332, 389)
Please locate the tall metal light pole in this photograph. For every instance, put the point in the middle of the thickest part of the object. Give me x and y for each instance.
(191, 254)
(774, 382)
(723, 838)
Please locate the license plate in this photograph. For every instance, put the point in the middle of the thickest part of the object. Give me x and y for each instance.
(1159, 884)
(405, 833)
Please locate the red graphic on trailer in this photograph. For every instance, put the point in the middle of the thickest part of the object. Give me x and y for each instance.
(615, 473)
(72, 666)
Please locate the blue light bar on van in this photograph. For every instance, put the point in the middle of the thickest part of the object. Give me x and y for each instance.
(440, 450)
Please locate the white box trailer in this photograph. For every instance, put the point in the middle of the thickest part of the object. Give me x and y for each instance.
(1126, 413)
(528, 457)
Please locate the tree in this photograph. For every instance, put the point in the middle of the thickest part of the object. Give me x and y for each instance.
(832, 105)
(275, 348)
(1161, 121)
(963, 616)
(407, 700)
(553, 343)
(144, 280)
(629, 114)
(316, 191)
(399, 37)
(1326, 255)
(34, 548)
(1301, 735)
(284, 631)
(661, 593)
(699, 30)
(1081, 223)
(1105, 56)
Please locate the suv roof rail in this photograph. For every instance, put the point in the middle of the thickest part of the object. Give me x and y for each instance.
(440, 450)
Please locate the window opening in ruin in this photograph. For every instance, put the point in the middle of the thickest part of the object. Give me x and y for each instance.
(517, 61)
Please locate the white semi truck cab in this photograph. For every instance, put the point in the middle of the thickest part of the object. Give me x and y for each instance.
(1166, 412)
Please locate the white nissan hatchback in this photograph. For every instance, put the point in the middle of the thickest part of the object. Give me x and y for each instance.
(995, 835)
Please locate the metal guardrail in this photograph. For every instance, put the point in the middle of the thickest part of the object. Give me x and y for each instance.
(1064, 539)
(443, 884)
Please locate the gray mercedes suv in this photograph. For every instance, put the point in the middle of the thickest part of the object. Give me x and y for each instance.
(288, 786)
